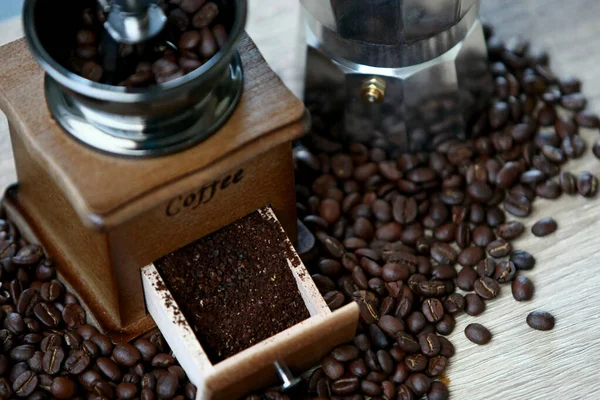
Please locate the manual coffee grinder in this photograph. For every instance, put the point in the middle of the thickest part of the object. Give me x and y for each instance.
(403, 75)
(112, 178)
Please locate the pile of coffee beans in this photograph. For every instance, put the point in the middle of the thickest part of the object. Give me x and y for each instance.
(47, 351)
(192, 36)
(418, 239)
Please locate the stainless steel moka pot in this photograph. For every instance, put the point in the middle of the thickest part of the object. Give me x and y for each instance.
(152, 121)
(405, 74)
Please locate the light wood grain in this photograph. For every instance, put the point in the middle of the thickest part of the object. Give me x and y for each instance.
(300, 347)
(519, 363)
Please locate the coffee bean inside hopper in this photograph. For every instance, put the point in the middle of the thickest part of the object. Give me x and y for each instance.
(193, 34)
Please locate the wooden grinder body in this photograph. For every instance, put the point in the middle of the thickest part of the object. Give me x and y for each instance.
(102, 218)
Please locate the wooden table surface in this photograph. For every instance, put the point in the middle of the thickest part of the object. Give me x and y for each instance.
(519, 363)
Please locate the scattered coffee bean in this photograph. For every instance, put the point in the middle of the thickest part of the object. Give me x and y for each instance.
(478, 334)
(474, 305)
(522, 260)
(522, 288)
(510, 230)
(544, 227)
(486, 288)
(499, 248)
(587, 184)
(540, 320)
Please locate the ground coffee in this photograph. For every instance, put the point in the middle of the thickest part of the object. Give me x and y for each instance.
(235, 286)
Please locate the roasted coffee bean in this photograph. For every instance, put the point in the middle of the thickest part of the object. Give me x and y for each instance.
(358, 368)
(587, 119)
(378, 337)
(77, 362)
(52, 360)
(126, 354)
(191, 6)
(109, 369)
(569, 85)
(206, 15)
(517, 205)
(445, 233)
(371, 361)
(385, 360)
(334, 299)
(27, 300)
(480, 191)
(438, 391)
(547, 116)
(17, 370)
(522, 288)
(540, 320)
(22, 353)
(430, 344)
(416, 322)
(470, 256)
(522, 260)
(126, 390)
(404, 210)
(395, 272)
(416, 362)
(405, 393)
(370, 388)
(466, 278)
(345, 386)
(573, 101)
(446, 325)
(28, 255)
(390, 325)
(482, 235)
(486, 288)
(499, 114)
(73, 315)
(587, 184)
(433, 310)
(419, 383)
(47, 314)
(596, 149)
(91, 348)
(478, 334)
(443, 272)
(463, 235)
(548, 190)
(474, 305)
(14, 323)
(163, 360)
(25, 384)
(345, 353)
(499, 248)
(5, 388)
(454, 303)
(544, 227)
(407, 343)
(573, 146)
(494, 215)
(166, 385)
(510, 230)
(332, 368)
(190, 40)
(443, 253)
(505, 271)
